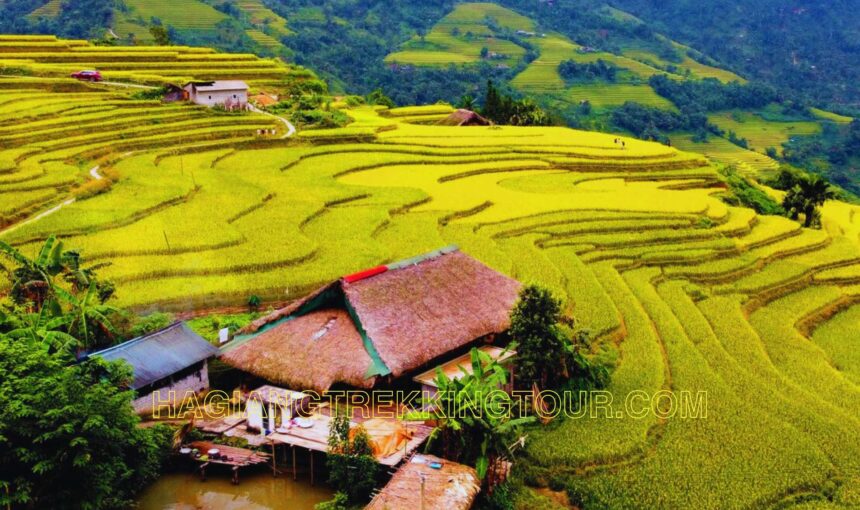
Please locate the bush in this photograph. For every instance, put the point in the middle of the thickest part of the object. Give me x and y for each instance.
(742, 193)
(339, 502)
(320, 119)
(68, 432)
(351, 464)
(152, 322)
(92, 188)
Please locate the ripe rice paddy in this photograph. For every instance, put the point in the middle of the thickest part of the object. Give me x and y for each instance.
(49, 57)
(683, 292)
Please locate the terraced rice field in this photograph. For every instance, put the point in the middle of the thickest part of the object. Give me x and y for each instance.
(762, 133)
(696, 69)
(48, 57)
(833, 117)
(193, 15)
(755, 311)
(49, 10)
(263, 17)
(263, 39)
(53, 130)
(604, 95)
(443, 46)
(751, 163)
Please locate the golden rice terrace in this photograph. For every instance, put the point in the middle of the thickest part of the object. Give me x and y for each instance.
(683, 292)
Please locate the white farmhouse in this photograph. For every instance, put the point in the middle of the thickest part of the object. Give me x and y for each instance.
(231, 94)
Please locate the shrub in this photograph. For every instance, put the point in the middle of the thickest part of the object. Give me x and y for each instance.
(743, 193)
(152, 322)
(352, 467)
(339, 502)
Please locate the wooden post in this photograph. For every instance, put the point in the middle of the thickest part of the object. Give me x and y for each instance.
(274, 461)
(294, 461)
(203, 471)
(235, 479)
(422, 490)
(312, 466)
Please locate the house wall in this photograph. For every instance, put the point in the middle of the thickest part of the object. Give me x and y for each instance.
(173, 393)
(221, 97)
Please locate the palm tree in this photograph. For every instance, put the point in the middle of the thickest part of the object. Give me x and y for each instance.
(807, 194)
(467, 102)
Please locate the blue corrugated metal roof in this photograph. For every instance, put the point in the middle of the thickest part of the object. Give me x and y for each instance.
(160, 354)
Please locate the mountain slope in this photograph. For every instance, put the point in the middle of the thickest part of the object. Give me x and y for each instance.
(805, 46)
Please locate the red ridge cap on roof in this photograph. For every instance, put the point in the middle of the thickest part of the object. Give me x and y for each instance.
(367, 273)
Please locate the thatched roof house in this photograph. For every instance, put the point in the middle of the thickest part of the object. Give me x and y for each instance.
(446, 485)
(389, 320)
(463, 117)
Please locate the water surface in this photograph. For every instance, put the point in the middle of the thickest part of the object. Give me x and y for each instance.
(257, 490)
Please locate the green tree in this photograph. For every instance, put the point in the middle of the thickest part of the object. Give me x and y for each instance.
(160, 34)
(493, 107)
(69, 437)
(541, 343)
(378, 97)
(805, 197)
(546, 354)
(352, 466)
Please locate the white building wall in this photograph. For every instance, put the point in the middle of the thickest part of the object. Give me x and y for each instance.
(221, 97)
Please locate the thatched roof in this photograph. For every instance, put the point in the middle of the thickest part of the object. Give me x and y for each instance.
(452, 486)
(392, 319)
(419, 313)
(311, 352)
(463, 117)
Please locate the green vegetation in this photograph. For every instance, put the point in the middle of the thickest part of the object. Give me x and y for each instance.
(67, 429)
(744, 193)
(546, 355)
(350, 461)
(482, 429)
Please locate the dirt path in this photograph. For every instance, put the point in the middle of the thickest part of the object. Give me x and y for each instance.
(291, 129)
(94, 173)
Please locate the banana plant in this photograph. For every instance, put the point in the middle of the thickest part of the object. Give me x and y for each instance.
(475, 419)
(86, 312)
(41, 328)
(33, 280)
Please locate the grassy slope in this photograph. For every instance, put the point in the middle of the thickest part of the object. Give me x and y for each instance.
(617, 233)
(760, 132)
(441, 46)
